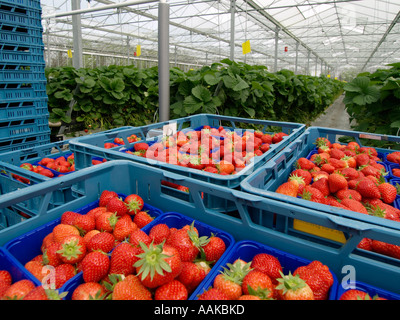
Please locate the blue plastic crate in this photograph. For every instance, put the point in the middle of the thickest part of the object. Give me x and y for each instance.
(31, 55)
(27, 109)
(177, 220)
(17, 127)
(27, 246)
(34, 4)
(247, 249)
(254, 218)
(88, 146)
(20, 35)
(24, 142)
(21, 20)
(17, 273)
(371, 290)
(34, 74)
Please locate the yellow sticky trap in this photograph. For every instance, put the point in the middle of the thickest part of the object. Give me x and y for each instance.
(138, 50)
(246, 47)
(69, 52)
(328, 75)
(319, 231)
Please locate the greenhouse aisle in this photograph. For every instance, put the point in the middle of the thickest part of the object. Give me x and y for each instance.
(335, 116)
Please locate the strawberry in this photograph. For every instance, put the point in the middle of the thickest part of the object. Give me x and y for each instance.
(354, 205)
(84, 223)
(337, 153)
(214, 248)
(362, 159)
(349, 194)
(266, 138)
(258, 283)
(337, 163)
(212, 294)
(141, 146)
(72, 249)
(4, 285)
(322, 141)
(105, 196)
(89, 291)
(117, 206)
(95, 212)
(35, 267)
(350, 173)
(60, 231)
(329, 168)
(106, 221)
(18, 290)
(139, 236)
(304, 163)
(134, 203)
(130, 288)
(368, 189)
(227, 283)
(320, 158)
(186, 242)
(365, 244)
(158, 264)
(173, 290)
(225, 167)
(90, 235)
(40, 293)
(355, 294)
(289, 188)
(6, 277)
(292, 287)
(103, 241)
(95, 266)
(191, 275)
(318, 277)
(50, 255)
(142, 218)
(159, 233)
(124, 227)
(388, 192)
(123, 257)
(306, 175)
(267, 264)
(63, 273)
(322, 185)
(68, 217)
(385, 211)
(312, 194)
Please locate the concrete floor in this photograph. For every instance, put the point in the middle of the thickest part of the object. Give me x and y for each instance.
(335, 116)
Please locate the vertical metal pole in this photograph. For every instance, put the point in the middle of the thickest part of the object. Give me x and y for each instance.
(276, 50)
(297, 57)
(232, 42)
(163, 60)
(77, 35)
(128, 48)
(176, 56)
(308, 62)
(316, 65)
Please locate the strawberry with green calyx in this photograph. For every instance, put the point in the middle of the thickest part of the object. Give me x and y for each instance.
(18, 290)
(129, 288)
(123, 257)
(40, 293)
(142, 218)
(355, 294)
(106, 221)
(105, 196)
(258, 283)
(192, 274)
(289, 188)
(134, 203)
(337, 182)
(158, 264)
(294, 288)
(268, 264)
(72, 249)
(95, 266)
(313, 194)
(384, 211)
(322, 141)
(89, 291)
(211, 248)
(117, 206)
(388, 192)
(84, 223)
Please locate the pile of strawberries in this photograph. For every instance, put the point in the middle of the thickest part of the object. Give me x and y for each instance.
(209, 149)
(25, 289)
(347, 176)
(263, 278)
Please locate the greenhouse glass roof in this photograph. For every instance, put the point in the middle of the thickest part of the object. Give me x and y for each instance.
(307, 36)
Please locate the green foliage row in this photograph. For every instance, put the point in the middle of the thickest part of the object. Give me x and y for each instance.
(124, 95)
(373, 101)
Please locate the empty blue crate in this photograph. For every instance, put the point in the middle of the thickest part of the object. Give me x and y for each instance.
(24, 142)
(32, 4)
(21, 36)
(245, 250)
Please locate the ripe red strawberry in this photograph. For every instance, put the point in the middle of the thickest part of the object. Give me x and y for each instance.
(68, 217)
(368, 189)
(72, 249)
(95, 212)
(159, 233)
(60, 231)
(40, 293)
(84, 223)
(337, 153)
(35, 267)
(117, 206)
(130, 288)
(103, 241)
(322, 185)
(354, 205)
(349, 193)
(89, 291)
(268, 264)
(312, 194)
(289, 188)
(90, 235)
(173, 290)
(229, 284)
(123, 257)
(212, 294)
(186, 242)
(294, 288)
(327, 167)
(105, 196)
(304, 163)
(385, 211)
(191, 275)
(318, 277)
(306, 175)
(350, 173)
(388, 192)
(95, 266)
(355, 294)
(258, 283)
(18, 290)
(165, 265)
(134, 203)
(63, 273)
(337, 163)
(142, 218)
(214, 248)
(6, 277)
(337, 182)
(106, 221)
(138, 236)
(50, 255)
(4, 285)
(124, 227)
(365, 244)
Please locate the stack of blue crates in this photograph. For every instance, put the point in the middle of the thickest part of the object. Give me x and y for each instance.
(24, 116)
